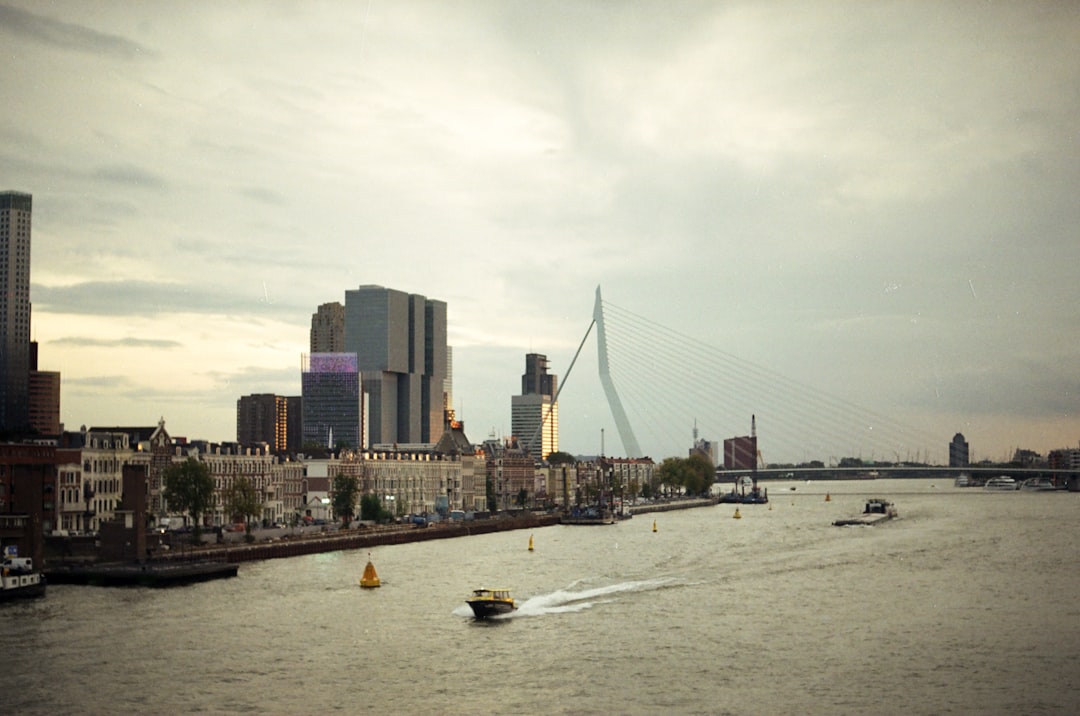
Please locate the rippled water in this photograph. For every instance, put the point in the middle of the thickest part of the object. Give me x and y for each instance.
(966, 604)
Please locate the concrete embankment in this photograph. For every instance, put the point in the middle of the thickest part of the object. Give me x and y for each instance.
(672, 505)
(364, 538)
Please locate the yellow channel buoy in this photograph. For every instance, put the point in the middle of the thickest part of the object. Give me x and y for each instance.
(530, 543)
(737, 516)
(370, 579)
(654, 525)
(827, 498)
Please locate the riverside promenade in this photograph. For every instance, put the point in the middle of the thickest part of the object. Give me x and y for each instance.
(357, 538)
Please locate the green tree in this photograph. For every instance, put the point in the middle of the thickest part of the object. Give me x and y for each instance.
(673, 472)
(189, 488)
(522, 497)
(701, 473)
(561, 458)
(241, 500)
(492, 499)
(371, 509)
(345, 490)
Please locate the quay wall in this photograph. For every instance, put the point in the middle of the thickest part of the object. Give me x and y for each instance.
(358, 539)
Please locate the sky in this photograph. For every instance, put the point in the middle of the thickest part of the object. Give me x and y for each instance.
(876, 199)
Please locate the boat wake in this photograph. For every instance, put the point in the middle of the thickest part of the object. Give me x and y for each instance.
(572, 599)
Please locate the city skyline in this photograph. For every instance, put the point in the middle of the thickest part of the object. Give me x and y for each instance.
(873, 200)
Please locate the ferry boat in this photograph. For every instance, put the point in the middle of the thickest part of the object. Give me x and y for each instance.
(1038, 484)
(491, 602)
(18, 580)
(1001, 483)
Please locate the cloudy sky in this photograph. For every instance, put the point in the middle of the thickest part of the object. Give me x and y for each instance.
(878, 200)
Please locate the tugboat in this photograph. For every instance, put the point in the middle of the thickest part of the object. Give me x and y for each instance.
(491, 602)
(18, 580)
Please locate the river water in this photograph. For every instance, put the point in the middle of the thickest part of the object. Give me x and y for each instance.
(966, 604)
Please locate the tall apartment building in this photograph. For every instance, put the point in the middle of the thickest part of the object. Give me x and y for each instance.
(263, 418)
(958, 451)
(400, 343)
(534, 415)
(43, 397)
(332, 407)
(328, 329)
(15, 214)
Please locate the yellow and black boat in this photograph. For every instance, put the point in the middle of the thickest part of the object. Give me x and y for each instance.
(491, 602)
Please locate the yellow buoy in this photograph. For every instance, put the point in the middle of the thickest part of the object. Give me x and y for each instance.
(827, 498)
(530, 543)
(370, 579)
(654, 525)
(770, 507)
(737, 516)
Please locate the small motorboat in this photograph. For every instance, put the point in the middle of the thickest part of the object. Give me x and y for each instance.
(369, 579)
(491, 602)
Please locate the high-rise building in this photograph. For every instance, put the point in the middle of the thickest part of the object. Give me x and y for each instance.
(328, 329)
(15, 212)
(400, 342)
(330, 386)
(534, 415)
(43, 397)
(958, 451)
(264, 418)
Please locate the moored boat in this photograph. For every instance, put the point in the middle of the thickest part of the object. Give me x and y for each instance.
(1001, 483)
(1038, 484)
(18, 580)
(490, 602)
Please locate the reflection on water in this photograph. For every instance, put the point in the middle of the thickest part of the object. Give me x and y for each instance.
(966, 603)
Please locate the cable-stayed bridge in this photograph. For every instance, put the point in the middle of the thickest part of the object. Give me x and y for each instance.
(661, 385)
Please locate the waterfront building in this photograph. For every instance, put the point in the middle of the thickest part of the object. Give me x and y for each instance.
(72, 504)
(469, 491)
(534, 415)
(511, 474)
(958, 452)
(27, 498)
(332, 408)
(228, 463)
(740, 453)
(328, 328)
(287, 479)
(628, 475)
(15, 215)
(416, 482)
(400, 343)
(263, 418)
(103, 456)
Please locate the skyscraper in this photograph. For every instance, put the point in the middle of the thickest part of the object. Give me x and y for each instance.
(958, 451)
(15, 211)
(263, 418)
(536, 407)
(400, 342)
(330, 386)
(328, 329)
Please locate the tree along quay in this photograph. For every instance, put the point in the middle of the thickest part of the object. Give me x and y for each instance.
(360, 538)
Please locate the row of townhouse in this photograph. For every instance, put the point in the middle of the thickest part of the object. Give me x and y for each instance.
(86, 487)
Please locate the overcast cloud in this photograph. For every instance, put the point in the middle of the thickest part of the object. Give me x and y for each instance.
(875, 199)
